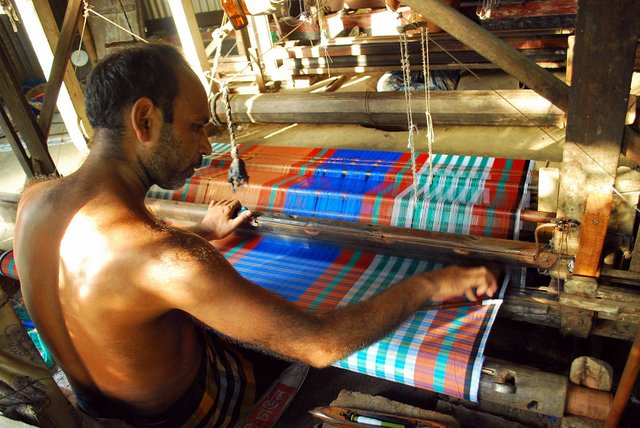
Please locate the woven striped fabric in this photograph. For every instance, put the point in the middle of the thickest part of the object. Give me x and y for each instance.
(469, 195)
(439, 350)
(8, 265)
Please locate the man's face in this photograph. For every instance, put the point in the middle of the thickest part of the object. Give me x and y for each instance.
(169, 166)
(182, 144)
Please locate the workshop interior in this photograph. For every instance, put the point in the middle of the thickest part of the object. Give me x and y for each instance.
(373, 139)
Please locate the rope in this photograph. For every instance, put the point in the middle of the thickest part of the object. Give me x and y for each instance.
(90, 9)
(237, 170)
(485, 7)
(406, 75)
(85, 16)
(424, 38)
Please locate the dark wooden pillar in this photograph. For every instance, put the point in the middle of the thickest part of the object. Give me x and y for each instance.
(603, 59)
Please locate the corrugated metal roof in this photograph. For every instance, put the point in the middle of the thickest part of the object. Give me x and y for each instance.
(156, 9)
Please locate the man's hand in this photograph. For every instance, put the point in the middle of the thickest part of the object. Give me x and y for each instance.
(472, 282)
(220, 219)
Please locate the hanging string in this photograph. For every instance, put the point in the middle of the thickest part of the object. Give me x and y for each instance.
(90, 9)
(324, 42)
(426, 72)
(237, 170)
(85, 16)
(406, 75)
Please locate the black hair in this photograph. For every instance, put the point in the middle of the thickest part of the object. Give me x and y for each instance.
(121, 78)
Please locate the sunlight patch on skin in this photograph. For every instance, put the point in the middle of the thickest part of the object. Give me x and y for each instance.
(84, 250)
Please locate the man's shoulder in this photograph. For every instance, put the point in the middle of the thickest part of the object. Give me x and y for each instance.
(39, 196)
(179, 242)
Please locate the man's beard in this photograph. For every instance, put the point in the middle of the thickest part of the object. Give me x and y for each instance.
(166, 165)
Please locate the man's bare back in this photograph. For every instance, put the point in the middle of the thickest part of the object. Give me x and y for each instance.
(106, 249)
(113, 291)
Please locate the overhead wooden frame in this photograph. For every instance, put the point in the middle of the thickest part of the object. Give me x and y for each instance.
(509, 59)
(60, 59)
(494, 49)
(43, 33)
(39, 162)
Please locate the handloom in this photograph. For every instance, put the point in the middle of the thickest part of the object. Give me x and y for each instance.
(439, 350)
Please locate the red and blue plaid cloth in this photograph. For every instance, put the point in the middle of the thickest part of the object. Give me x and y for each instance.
(439, 350)
(469, 195)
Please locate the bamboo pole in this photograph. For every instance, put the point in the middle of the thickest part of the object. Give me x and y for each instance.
(510, 107)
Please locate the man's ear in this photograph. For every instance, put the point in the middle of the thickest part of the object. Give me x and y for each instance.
(146, 119)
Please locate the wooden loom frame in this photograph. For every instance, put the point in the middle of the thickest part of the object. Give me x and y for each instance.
(576, 310)
(579, 308)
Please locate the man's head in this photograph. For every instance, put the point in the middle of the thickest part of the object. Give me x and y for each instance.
(121, 78)
(150, 94)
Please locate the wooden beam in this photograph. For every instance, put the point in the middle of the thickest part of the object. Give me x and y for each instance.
(11, 91)
(494, 49)
(16, 145)
(60, 61)
(594, 229)
(519, 107)
(189, 33)
(51, 32)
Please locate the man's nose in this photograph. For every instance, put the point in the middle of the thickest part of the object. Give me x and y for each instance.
(205, 145)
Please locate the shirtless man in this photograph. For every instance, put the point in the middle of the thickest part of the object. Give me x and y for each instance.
(114, 291)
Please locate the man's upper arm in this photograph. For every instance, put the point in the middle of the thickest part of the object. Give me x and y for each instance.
(191, 275)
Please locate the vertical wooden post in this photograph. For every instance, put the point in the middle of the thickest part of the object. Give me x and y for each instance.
(603, 63)
(603, 60)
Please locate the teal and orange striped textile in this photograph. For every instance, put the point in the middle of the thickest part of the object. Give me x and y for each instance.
(8, 265)
(440, 350)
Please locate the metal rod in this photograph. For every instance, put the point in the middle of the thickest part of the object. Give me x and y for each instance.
(408, 242)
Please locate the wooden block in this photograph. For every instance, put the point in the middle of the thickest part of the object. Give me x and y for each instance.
(592, 373)
(592, 234)
(576, 322)
(584, 285)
